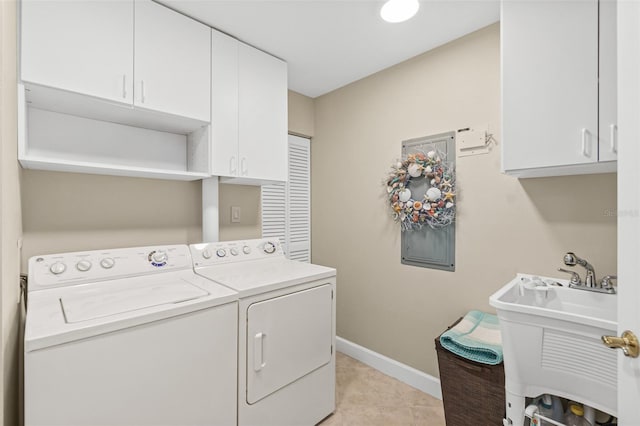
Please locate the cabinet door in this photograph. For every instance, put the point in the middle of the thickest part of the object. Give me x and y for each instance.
(549, 83)
(80, 46)
(608, 144)
(224, 104)
(262, 115)
(172, 62)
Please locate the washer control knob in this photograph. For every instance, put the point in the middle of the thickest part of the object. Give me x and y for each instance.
(83, 265)
(246, 249)
(159, 257)
(107, 263)
(206, 254)
(221, 253)
(58, 268)
(269, 247)
(234, 251)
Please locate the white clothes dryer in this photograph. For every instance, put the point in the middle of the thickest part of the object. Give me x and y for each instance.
(286, 344)
(128, 337)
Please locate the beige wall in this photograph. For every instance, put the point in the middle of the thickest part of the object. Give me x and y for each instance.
(301, 114)
(301, 122)
(10, 226)
(72, 212)
(504, 225)
(248, 199)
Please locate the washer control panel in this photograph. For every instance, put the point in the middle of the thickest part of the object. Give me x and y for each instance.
(208, 254)
(56, 270)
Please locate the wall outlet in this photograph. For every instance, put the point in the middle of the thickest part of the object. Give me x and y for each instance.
(235, 214)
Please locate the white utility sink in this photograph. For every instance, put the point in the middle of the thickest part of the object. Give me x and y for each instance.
(551, 337)
(552, 301)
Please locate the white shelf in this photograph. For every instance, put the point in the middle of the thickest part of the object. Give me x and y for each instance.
(32, 162)
(575, 169)
(59, 141)
(248, 181)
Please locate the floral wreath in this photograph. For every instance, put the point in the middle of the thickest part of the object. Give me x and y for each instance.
(436, 208)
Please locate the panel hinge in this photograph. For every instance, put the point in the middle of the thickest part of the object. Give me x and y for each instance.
(331, 294)
(331, 349)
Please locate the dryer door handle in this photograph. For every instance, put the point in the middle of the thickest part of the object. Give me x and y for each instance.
(258, 351)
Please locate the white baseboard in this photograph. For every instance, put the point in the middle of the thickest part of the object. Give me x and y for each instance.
(409, 375)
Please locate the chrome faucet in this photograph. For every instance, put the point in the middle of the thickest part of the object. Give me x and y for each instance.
(570, 259)
(590, 283)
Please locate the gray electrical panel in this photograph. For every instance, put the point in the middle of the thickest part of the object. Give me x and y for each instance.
(428, 247)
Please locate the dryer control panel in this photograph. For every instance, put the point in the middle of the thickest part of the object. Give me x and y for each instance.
(208, 254)
(56, 270)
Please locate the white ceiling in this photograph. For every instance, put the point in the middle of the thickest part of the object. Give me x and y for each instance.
(330, 43)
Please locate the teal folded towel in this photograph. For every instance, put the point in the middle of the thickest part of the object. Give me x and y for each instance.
(476, 337)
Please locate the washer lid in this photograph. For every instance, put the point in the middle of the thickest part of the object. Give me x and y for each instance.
(88, 304)
(65, 314)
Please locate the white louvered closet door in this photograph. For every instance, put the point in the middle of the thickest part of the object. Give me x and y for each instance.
(286, 207)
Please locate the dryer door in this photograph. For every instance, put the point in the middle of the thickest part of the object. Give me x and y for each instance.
(287, 337)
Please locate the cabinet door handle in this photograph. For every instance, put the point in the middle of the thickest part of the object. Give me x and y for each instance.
(142, 96)
(243, 166)
(614, 138)
(124, 86)
(585, 134)
(232, 165)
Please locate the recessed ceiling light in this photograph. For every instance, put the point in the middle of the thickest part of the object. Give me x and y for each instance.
(399, 10)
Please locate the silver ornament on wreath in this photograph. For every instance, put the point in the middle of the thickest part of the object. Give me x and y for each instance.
(436, 207)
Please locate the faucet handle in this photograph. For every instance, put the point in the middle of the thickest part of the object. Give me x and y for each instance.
(606, 281)
(575, 278)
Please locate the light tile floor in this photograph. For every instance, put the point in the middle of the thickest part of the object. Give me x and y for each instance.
(364, 396)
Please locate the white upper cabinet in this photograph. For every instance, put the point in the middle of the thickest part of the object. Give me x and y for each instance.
(79, 46)
(118, 87)
(76, 54)
(224, 104)
(172, 62)
(263, 115)
(249, 113)
(130, 87)
(550, 87)
(608, 146)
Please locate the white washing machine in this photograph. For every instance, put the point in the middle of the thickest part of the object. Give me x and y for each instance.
(286, 344)
(128, 337)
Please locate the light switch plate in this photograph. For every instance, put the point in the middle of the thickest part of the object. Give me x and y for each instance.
(235, 214)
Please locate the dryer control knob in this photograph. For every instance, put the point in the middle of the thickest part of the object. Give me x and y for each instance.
(159, 257)
(221, 252)
(206, 254)
(246, 249)
(107, 263)
(234, 251)
(269, 247)
(58, 268)
(83, 265)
